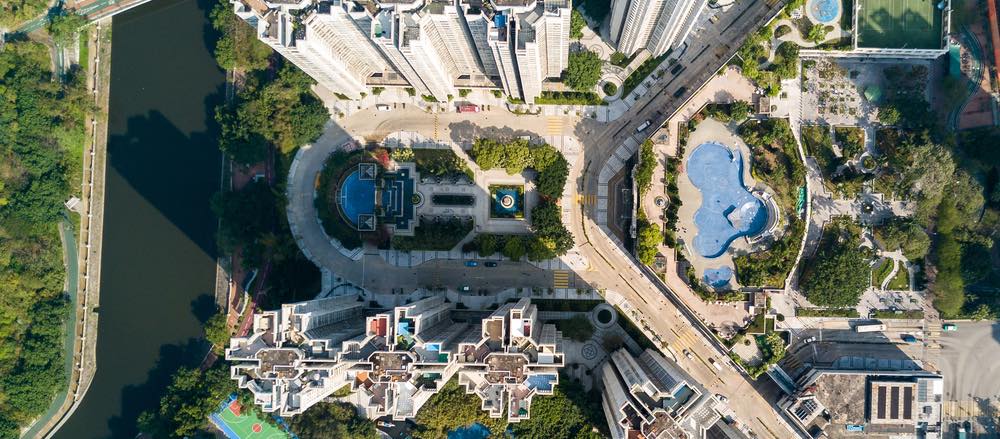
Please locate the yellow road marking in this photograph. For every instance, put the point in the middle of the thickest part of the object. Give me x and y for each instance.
(560, 279)
(554, 125)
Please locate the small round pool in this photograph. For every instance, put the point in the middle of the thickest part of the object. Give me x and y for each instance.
(728, 211)
(823, 11)
(718, 277)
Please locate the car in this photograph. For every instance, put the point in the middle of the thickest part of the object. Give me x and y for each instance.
(642, 127)
(722, 398)
(383, 107)
(909, 338)
(687, 353)
(680, 92)
(490, 264)
(714, 19)
(677, 68)
(715, 363)
(810, 339)
(384, 424)
(464, 288)
(471, 264)
(949, 327)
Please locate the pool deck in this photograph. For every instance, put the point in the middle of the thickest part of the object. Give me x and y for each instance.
(708, 130)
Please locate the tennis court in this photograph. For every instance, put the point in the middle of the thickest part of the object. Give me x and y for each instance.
(900, 24)
(236, 424)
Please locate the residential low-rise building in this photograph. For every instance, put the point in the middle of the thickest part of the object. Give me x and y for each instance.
(870, 404)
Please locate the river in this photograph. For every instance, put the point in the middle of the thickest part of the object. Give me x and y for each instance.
(159, 248)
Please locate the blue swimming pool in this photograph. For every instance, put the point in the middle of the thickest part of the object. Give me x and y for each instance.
(474, 431)
(718, 277)
(357, 197)
(728, 211)
(824, 11)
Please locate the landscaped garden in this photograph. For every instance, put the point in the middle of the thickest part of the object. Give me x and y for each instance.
(839, 271)
(440, 235)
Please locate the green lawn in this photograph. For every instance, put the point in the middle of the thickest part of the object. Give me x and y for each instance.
(897, 24)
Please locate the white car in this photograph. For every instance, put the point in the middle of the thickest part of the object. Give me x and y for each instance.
(687, 353)
(383, 107)
(722, 398)
(810, 340)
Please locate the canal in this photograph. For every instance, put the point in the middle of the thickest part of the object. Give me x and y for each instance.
(159, 249)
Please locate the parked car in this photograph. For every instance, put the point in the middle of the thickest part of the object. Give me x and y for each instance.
(722, 398)
(471, 264)
(384, 424)
(909, 338)
(383, 107)
(810, 339)
(687, 353)
(464, 288)
(715, 363)
(680, 92)
(949, 327)
(643, 126)
(490, 264)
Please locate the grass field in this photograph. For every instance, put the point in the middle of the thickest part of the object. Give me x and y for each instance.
(237, 424)
(898, 24)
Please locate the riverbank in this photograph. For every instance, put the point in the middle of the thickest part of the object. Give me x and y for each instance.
(88, 258)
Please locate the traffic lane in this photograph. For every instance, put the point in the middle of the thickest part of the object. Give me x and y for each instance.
(455, 275)
(970, 359)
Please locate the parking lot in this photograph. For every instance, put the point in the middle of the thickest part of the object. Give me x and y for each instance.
(970, 363)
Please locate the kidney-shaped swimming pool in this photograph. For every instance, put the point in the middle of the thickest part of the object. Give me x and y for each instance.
(728, 211)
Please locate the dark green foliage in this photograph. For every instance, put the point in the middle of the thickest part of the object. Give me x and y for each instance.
(516, 155)
(63, 26)
(646, 243)
(218, 332)
(569, 98)
(248, 217)
(188, 401)
(434, 235)
(770, 267)
(851, 140)
(41, 136)
(829, 312)
(839, 273)
(640, 73)
(449, 409)
(577, 328)
(13, 12)
(619, 59)
(570, 413)
(609, 88)
(735, 112)
(332, 420)
(775, 159)
(583, 70)
(782, 30)
(551, 237)
(237, 46)
(645, 168)
(786, 60)
(283, 113)
(576, 25)
(905, 234)
(439, 163)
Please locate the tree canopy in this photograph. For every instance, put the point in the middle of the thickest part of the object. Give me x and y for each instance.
(188, 401)
(645, 168)
(839, 273)
(906, 235)
(63, 26)
(576, 25)
(583, 71)
(332, 420)
(237, 46)
(41, 142)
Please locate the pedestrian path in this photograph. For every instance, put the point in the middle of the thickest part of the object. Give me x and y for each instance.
(560, 279)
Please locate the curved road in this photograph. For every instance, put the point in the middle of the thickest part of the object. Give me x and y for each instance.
(646, 301)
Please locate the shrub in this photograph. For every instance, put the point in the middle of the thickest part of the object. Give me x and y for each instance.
(782, 31)
(610, 88)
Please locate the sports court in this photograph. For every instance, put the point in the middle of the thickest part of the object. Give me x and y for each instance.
(236, 424)
(900, 24)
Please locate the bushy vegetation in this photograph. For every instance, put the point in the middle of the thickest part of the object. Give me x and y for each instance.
(851, 140)
(839, 272)
(649, 237)
(188, 401)
(569, 98)
(64, 25)
(14, 12)
(777, 164)
(583, 70)
(441, 235)
(576, 25)
(332, 420)
(237, 47)
(549, 238)
(906, 235)
(755, 52)
(609, 88)
(283, 113)
(249, 216)
(443, 163)
(576, 328)
(515, 156)
(645, 168)
(733, 112)
(772, 350)
(640, 73)
(41, 142)
(827, 312)
(333, 222)
(670, 171)
(570, 412)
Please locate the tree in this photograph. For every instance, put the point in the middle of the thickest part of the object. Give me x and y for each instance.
(187, 402)
(648, 241)
(740, 110)
(246, 216)
(514, 248)
(64, 25)
(577, 328)
(644, 170)
(817, 33)
(888, 115)
(218, 331)
(332, 420)
(576, 25)
(584, 70)
(904, 234)
(237, 46)
(839, 273)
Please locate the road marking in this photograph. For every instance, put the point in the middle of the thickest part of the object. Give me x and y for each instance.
(586, 199)
(435, 126)
(554, 125)
(560, 279)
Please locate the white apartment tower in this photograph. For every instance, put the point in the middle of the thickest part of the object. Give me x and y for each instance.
(654, 25)
(530, 40)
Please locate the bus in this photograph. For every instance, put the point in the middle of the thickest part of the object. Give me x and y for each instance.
(468, 108)
(874, 327)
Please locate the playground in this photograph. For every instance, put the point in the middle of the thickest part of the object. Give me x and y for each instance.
(236, 424)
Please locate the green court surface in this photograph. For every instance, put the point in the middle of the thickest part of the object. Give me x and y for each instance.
(236, 424)
(899, 24)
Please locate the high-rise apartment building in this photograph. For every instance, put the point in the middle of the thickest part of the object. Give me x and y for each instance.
(394, 362)
(654, 25)
(434, 47)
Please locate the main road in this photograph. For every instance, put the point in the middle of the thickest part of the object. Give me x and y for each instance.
(645, 300)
